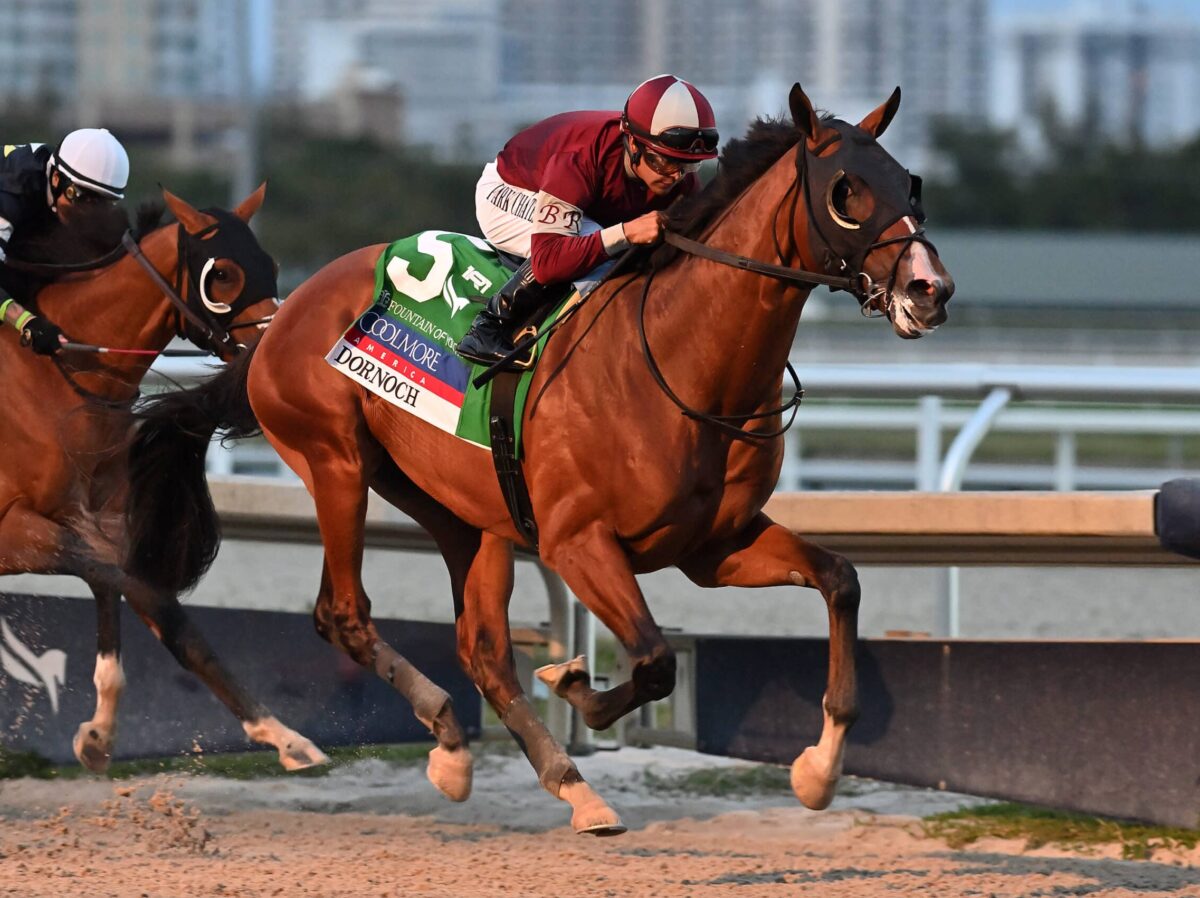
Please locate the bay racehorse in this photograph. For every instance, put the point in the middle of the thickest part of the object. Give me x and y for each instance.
(621, 481)
(66, 423)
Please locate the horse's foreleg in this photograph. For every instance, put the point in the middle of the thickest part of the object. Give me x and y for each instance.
(485, 652)
(597, 571)
(766, 554)
(93, 742)
(166, 618)
(343, 617)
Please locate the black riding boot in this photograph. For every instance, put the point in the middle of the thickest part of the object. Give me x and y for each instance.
(490, 338)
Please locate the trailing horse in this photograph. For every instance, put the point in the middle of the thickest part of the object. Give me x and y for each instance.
(621, 482)
(66, 426)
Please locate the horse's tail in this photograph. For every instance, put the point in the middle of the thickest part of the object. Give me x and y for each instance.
(172, 524)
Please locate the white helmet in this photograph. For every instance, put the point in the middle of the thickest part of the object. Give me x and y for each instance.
(95, 160)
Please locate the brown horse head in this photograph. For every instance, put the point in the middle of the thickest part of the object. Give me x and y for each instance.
(230, 279)
(865, 216)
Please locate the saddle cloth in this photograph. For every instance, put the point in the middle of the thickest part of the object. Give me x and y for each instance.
(402, 348)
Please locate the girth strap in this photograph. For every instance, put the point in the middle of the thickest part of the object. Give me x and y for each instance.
(504, 455)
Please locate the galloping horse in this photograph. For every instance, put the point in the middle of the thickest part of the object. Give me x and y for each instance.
(66, 424)
(620, 481)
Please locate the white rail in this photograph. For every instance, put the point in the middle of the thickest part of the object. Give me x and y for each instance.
(998, 387)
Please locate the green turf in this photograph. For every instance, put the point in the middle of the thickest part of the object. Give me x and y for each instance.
(239, 765)
(724, 782)
(1042, 826)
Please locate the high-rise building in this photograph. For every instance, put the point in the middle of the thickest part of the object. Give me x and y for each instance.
(290, 23)
(136, 49)
(1114, 69)
(467, 73)
(935, 50)
(37, 49)
(848, 55)
(440, 57)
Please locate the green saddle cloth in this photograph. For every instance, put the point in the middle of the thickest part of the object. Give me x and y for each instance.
(403, 347)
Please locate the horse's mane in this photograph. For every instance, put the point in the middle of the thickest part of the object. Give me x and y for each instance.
(742, 161)
(149, 217)
(94, 232)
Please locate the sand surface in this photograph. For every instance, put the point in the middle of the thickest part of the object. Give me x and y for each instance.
(378, 829)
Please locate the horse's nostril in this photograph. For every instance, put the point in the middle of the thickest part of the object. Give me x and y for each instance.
(920, 287)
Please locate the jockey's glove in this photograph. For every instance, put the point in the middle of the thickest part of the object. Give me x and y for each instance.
(41, 336)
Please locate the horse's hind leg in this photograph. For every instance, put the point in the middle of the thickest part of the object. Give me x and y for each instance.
(766, 554)
(485, 651)
(481, 579)
(166, 618)
(93, 742)
(337, 479)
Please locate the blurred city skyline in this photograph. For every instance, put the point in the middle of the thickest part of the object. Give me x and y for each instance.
(460, 76)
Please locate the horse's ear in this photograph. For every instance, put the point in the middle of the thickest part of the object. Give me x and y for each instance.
(803, 113)
(247, 207)
(192, 219)
(876, 123)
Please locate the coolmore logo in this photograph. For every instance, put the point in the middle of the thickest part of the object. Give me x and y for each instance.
(45, 671)
(401, 341)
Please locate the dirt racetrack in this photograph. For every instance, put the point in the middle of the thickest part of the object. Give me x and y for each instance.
(377, 829)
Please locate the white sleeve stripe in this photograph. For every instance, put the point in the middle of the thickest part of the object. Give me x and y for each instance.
(613, 238)
(6, 230)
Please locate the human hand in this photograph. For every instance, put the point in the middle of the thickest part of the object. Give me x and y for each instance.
(42, 336)
(644, 229)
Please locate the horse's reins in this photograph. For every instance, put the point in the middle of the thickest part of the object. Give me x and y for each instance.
(727, 423)
(65, 267)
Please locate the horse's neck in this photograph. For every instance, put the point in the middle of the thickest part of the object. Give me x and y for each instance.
(118, 305)
(727, 333)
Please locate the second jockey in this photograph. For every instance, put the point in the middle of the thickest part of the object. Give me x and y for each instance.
(39, 183)
(572, 191)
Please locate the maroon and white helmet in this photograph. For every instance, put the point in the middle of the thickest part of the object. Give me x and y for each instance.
(671, 117)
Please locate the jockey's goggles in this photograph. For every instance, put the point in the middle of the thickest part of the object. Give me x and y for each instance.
(683, 140)
(77, 194)
(665, 165)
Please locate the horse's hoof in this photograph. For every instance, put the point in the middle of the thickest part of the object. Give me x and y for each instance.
(559, 677)
(597, 819)
(814, 783)
(299, 753)
(589, 812)
(450, 772)
(93, 750)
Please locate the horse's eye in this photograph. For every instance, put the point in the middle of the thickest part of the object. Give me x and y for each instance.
(220, 274)
(840, 192)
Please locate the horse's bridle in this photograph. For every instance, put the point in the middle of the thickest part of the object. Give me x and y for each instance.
(841, 255)
(209, 329)
(899, 196)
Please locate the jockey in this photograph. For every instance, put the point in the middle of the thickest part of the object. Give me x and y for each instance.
(37, 184)
(576, 189)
